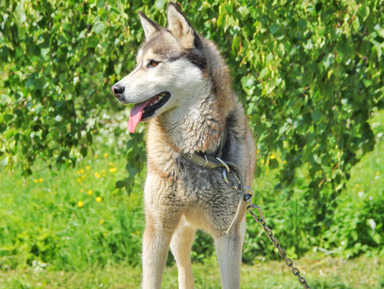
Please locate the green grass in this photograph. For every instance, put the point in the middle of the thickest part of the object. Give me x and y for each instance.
(69, 218)
(320, 273)
(71, 228)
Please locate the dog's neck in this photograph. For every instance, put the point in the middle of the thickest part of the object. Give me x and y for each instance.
(199, 128)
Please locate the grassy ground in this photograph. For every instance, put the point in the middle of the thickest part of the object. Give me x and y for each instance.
(69, 218)
(320, 273)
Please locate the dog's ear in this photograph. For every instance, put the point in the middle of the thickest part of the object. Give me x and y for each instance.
(181, 29)
(149, 26)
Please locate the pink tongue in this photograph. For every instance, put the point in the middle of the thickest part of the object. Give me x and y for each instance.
(135, 115)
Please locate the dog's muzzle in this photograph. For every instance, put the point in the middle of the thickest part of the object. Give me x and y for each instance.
(117, 90)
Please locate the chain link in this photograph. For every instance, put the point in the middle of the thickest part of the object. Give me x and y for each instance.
(248, 199)
(276, 244)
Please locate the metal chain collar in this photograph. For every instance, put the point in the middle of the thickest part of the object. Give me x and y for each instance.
(248, 199)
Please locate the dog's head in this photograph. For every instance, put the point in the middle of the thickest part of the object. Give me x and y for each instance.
(169, 72)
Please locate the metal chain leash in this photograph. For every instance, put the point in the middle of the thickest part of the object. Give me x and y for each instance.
(276, 244)
(248, 199)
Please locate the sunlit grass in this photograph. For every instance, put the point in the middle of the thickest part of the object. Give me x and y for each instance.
(69, 218)
(368, 175)
(321, 273)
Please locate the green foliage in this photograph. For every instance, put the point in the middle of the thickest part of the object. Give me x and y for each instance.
(60, 59)
(358, 224)
(309, 74)
(318, 83)
(355, 225)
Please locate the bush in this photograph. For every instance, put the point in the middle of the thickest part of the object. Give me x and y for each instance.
(309, 74)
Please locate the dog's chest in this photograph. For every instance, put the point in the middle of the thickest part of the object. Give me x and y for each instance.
(204, 188)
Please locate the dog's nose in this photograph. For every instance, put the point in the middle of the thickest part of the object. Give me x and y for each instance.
(117, 89)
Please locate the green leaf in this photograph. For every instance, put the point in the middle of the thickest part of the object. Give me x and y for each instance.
(274, 28)
(363, 12)
(316, 115)
(99, 27)
(159, 4)
(131, 171)
(122, 183)
(236, 43)
(84, 151)
(100, 3)
(328, 60)
(264, 72)
(345, 50)
(221, 20)
(92, 41)
(8, 117)
(229, 22)
(243, 10)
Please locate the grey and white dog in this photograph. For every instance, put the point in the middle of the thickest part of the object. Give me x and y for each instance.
(181, 85)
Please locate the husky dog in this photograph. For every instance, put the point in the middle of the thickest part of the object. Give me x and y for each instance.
(181, 85)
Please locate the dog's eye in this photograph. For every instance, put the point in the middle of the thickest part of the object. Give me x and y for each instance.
(153, 63)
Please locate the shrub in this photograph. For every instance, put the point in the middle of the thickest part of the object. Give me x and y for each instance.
(309, 74)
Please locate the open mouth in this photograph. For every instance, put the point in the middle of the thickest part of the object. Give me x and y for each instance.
(146, 109)
(155, 103)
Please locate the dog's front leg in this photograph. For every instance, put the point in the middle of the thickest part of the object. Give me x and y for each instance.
(181, 248)
(228, 248)
(156, 240)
